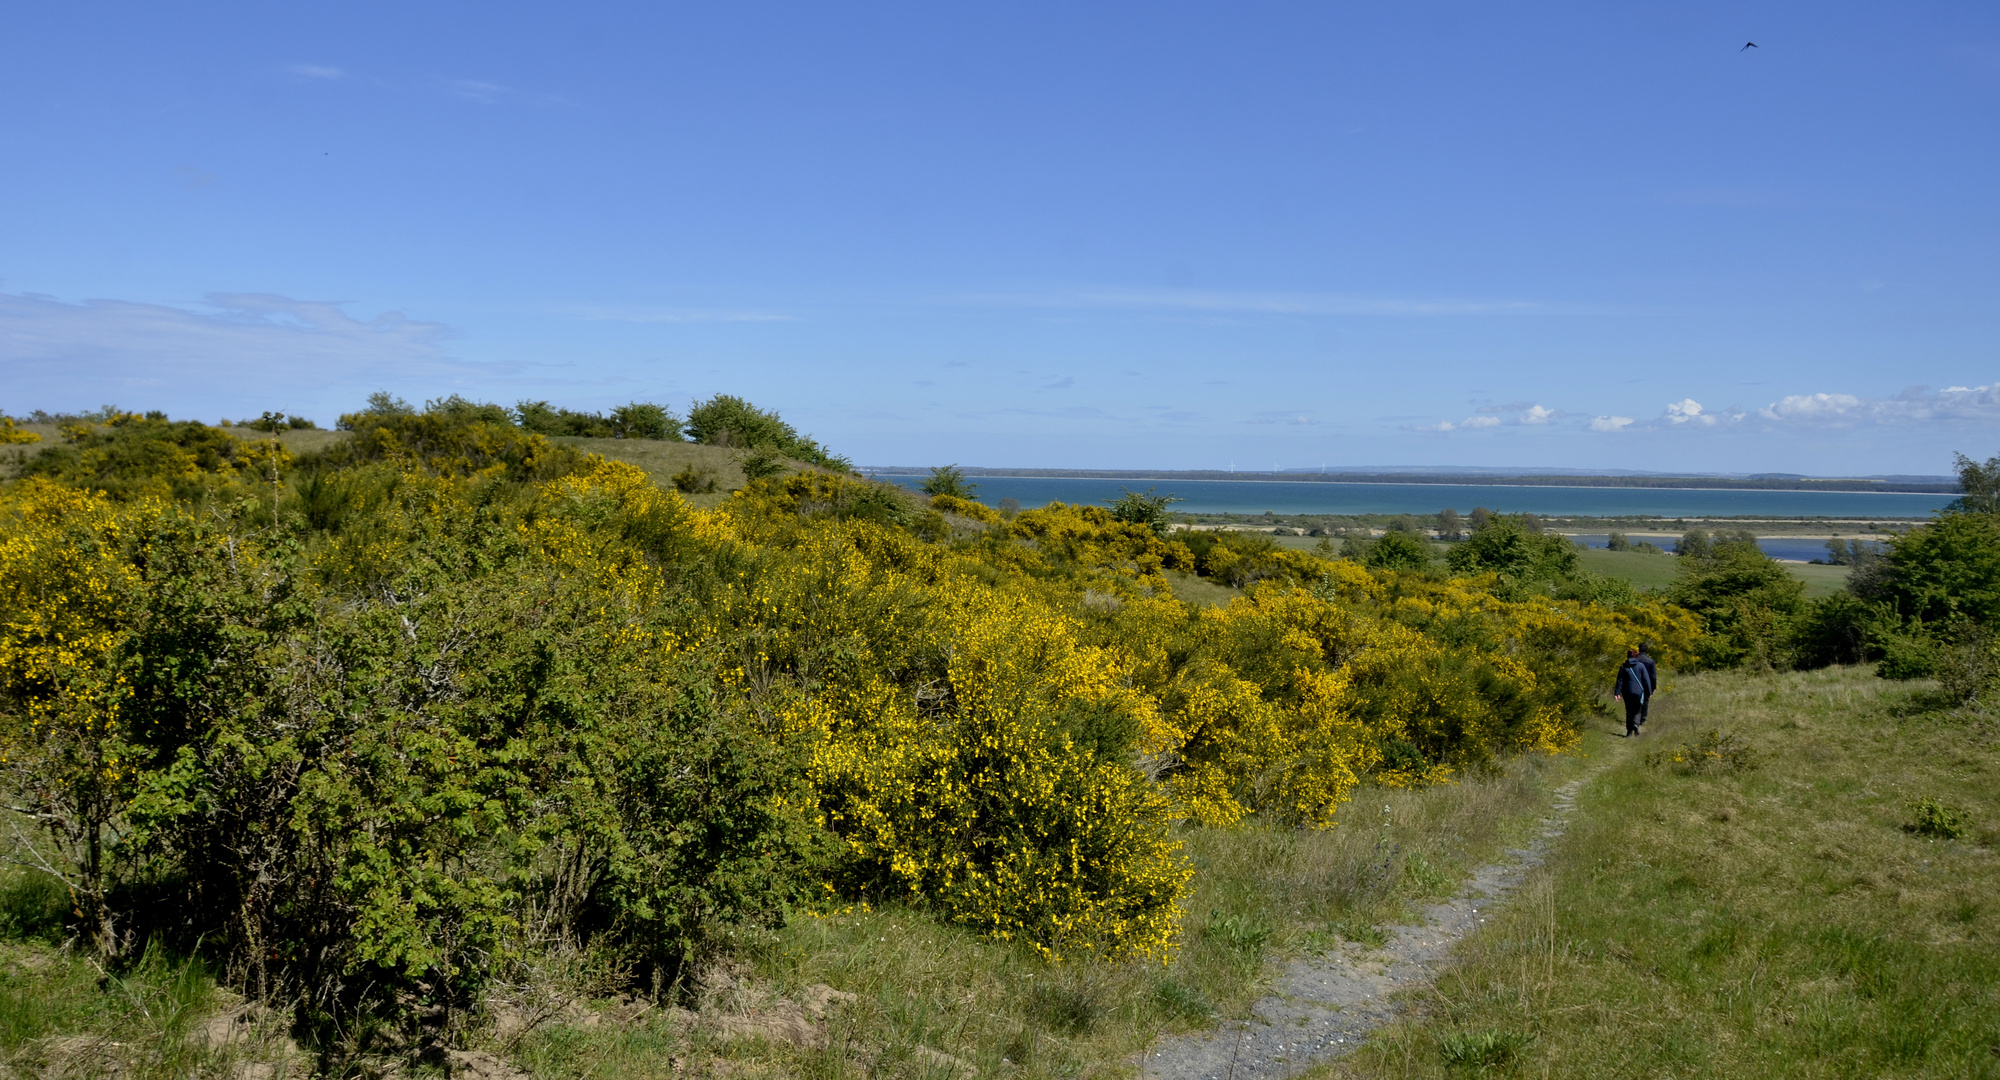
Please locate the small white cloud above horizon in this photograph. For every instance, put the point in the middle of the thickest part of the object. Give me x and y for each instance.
(1611, 423)
(1916, 405)
(1537, 414)
(1687, 411)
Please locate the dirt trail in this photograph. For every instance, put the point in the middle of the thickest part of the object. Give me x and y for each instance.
(1324, 1006)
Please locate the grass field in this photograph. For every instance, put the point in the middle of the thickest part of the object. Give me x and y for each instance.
(1645, 570)
(1778, 920)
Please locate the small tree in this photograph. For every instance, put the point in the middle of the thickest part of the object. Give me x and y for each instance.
(1694, 544)
(645, 420)
(1481, 517)
(1398, 551)
(948, 480)
(1450, 526)
(1617, 541)
(1149, 509)
(1979, 484)
(764, 464)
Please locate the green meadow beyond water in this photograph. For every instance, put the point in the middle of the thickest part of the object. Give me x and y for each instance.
(1319, 497)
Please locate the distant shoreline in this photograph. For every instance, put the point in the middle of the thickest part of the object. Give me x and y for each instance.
(1690, 483)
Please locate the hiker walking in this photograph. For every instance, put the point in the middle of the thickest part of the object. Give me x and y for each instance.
(1632, 688)
(1652, 681)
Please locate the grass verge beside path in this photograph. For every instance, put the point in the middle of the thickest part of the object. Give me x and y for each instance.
(931, 1002)
(1784, 919)
(934, 1001)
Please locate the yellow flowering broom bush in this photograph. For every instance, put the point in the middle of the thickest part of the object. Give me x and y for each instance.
(450, 691)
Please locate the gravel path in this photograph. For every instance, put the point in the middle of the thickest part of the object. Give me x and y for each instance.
(1324, 1006)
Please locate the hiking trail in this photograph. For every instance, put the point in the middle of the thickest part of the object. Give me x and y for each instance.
(1324, 1006)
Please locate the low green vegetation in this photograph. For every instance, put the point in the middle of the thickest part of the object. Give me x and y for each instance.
(1798, 881)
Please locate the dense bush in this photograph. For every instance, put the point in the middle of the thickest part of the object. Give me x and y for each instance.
(1744, 598)
(637, 420)
(1507, 546)
(378, 724)
(726, 420)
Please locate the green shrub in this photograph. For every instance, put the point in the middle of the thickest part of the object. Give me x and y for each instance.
(1940, 820)
(1148, 509)
(726, 420)
(1505, 545)
(948, 480)
(1744, 598)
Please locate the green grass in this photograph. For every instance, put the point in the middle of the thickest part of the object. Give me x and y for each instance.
(1789, 919)
(1820, 580)
(1648, 571)
(1200, 590)
(1642, 569)
(926, 989)
(662, 459)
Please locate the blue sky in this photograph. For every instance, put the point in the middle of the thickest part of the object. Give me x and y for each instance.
(1145, 235)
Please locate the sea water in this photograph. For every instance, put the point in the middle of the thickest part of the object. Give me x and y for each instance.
(1322, 497)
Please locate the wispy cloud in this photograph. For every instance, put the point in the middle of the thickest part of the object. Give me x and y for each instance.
(233, 351)
(1610, 423)
(1526, 414)
(645, 314)
(1063, 383)
(317, 71)
(1688, 411)
(1917, 405)
(492, 93)
(485, 93)
(1195, 302)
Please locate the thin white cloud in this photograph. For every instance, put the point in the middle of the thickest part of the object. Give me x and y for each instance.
(1611, 423)
(1810, 407)
(234, 351)
(1917, 405)
(643, 314)
(492, 93)
(1537, 414)
(485, 93)
(1191, 301)
(317, 71)
(1480, 422)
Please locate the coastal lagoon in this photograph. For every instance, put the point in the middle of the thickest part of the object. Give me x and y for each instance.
(1320, 497)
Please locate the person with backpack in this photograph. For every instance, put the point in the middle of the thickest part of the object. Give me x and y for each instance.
(1632, 688)
(1652, 680)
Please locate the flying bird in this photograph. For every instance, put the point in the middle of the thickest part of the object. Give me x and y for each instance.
(1748, 45)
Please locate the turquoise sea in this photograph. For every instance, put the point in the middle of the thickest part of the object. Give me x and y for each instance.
(1318, 497)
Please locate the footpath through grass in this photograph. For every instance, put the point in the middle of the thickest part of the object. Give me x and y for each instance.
(936, 1001)
(1829, 909)
(931, 1002)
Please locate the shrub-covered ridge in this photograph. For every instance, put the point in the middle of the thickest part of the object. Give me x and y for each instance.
(382, 722)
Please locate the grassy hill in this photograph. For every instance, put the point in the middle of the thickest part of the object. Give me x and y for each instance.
(1786, 917)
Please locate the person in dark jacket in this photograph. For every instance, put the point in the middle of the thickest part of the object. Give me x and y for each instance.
(1631, 689)
(1652, 680)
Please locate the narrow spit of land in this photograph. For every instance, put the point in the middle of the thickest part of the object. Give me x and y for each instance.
(1325, 1006)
